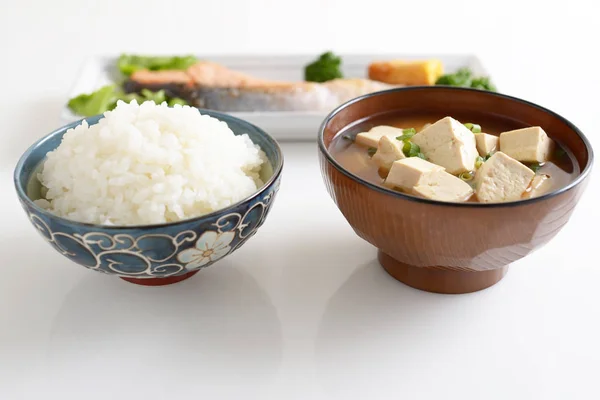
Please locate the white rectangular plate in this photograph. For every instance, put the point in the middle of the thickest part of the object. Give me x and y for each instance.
(293, 126)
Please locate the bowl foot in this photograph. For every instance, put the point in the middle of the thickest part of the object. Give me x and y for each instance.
(160, 281)
(438, 280)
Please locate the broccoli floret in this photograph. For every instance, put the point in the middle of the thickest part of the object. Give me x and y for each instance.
(483, 83)
(325, 68)
(464, 78)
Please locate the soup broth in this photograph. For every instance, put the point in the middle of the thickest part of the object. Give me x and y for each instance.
(357, 158)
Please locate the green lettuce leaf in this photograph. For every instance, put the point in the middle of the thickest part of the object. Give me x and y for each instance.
(106, 98)
(89, 104)
(176, 100)
(128, 63)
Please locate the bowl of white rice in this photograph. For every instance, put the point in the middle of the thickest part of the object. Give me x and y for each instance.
(148, 192)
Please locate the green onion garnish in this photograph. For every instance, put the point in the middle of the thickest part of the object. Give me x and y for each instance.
(466, 176)
(535, 167)
(372, 151)
(410, 149)
(560, 152)
(407, 134)
(421, 155)
(479, 162)
(475, 128)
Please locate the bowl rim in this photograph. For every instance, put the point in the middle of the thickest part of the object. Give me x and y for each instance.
(21, 192)
(580, 178)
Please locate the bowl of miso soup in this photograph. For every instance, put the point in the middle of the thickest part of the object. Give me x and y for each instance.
(452, 185)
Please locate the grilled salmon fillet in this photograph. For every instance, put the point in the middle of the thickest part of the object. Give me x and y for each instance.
(214, 86)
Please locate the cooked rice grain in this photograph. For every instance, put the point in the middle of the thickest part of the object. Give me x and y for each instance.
(148, 164)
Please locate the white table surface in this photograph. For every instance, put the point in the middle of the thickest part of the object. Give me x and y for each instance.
(303, 311)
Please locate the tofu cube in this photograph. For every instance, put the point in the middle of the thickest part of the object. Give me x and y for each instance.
(502, 178)
(371, 138)
(441, 186)
(541, 184)
(410, 172)
(388, 151)
(448, 143)
(486, 143)
(527, 144)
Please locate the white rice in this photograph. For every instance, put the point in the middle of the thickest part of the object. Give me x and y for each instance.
(148, 164)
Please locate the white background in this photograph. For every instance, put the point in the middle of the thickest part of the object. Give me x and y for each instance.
(303, 312)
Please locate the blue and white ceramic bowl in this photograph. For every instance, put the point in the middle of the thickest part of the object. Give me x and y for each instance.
(151, 254)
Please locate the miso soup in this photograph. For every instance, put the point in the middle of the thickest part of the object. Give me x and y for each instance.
(474, 158)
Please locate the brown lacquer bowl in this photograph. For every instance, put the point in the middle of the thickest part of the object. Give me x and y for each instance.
(450, 247)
